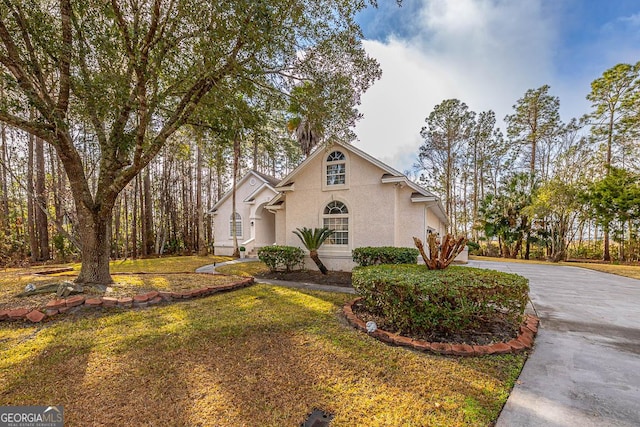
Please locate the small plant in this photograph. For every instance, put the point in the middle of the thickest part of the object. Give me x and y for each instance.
(312, 240)
(370, 255)
(281, 256)
(440, 255)
(242, 248)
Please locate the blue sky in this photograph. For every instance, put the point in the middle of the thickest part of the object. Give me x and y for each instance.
(486, 53)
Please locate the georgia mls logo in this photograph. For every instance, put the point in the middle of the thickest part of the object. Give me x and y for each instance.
(54, 409)
(31, 416)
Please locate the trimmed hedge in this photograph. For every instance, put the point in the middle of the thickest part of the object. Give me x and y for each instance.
(281, 256)
(415, 299)
(371, 255)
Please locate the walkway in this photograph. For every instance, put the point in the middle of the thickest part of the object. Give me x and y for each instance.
(585, 367)
(211, 269)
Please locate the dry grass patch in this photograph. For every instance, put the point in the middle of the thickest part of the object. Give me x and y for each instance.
(245, 269)
(161, 274)
(632, 271)
(510, 260)
(260, 356)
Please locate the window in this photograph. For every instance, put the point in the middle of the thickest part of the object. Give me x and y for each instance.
(336, 218)
(238, 221)
(336, 168)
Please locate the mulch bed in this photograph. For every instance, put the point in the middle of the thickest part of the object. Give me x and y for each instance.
(489, 333)
(334, 278)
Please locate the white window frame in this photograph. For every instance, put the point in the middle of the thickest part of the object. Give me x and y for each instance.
(337, 216)
(331, 162)
(239, 228)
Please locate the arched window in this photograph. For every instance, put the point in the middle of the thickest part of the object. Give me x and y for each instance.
(336, 217)
(336, 168)
(238, 222)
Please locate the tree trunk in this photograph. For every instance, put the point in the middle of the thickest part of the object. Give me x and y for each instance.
(314, 256)
(134, 221)
(236, 160)
(143, 223)
(208, 219)
(31, 228)
(185, 208)
(621, 253)
(255, 154)
(607, 255)
(3, 177)
(202, 245)
(148, 213)
(116, 226)
(126, 224)
(41, 223)
(94, 229)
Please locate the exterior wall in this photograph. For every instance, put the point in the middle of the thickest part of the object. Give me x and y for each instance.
(412, 220)
(379, 214)
(281, 226)
(433, 221)
(265, 228)
(250, 212)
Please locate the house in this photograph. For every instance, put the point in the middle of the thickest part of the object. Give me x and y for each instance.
(255, 226)
(341, 187)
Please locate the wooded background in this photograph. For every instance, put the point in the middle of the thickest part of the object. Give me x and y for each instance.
(157, 213)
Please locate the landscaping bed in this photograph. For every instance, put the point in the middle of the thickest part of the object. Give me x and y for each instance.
(495, 331)
(130, 278)
(459, 305)
(334, 278)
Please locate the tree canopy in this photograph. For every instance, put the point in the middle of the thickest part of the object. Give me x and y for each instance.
(123, 77)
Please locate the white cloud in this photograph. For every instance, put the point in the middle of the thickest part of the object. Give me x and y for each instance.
(486, 53)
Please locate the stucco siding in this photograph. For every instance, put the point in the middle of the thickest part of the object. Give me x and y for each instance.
(250, 212)
(411, 220)
(281, 226)
(379, 214)
(371, 204)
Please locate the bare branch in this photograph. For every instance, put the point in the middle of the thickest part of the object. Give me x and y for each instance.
(122, 26)
(33, 63)
(17, 68)
(41, 130)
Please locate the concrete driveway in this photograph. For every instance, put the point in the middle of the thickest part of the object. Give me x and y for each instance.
(585, 367)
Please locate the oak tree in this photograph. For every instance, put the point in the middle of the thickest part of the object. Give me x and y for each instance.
(130, 74)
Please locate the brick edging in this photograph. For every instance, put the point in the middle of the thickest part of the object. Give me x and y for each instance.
(522, 342)
(61, 306)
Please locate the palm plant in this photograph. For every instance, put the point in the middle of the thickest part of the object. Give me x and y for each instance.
(312, 240)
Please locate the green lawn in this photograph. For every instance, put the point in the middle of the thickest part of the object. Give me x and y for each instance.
(259, 356)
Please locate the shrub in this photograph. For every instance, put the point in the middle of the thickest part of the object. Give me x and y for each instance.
(474, 248)
(384, 255)
(281, 256)
(417, 300)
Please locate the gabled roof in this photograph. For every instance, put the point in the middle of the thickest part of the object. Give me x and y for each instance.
(266, 180)
(390, 175)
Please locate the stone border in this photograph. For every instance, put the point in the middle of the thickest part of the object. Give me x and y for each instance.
(524, 340)
(61, 306)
